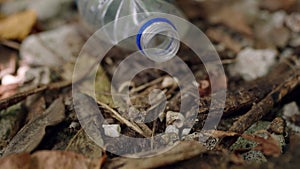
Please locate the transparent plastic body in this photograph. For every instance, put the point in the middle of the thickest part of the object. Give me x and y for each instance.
(158, 34)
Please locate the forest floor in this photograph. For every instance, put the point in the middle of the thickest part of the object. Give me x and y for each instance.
(49, 112)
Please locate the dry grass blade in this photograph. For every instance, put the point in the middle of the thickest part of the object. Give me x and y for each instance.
(123, 120)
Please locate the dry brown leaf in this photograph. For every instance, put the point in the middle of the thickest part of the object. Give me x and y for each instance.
(36, 105)
(61, 159)
(50, 160)
(180, 152)
(29, 137)
(267, 146)
(8, 90)
(15, 161)
(17, 26)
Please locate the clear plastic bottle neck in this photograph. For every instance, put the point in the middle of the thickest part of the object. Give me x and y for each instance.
(158, 39)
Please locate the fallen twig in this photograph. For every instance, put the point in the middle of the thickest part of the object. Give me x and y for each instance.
(4, 103)
(123, 120)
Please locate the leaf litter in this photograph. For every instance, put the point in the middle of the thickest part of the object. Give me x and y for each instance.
(233, 26)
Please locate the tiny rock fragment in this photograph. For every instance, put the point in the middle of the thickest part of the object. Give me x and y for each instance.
(291, 114)
(252, 63)
(293, 22)
(277, 126)
(186, 131)
(112, 130)
(17, 26)
(172, 129)
(168, 82)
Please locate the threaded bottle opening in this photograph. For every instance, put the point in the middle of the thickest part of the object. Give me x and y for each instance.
(158, 39)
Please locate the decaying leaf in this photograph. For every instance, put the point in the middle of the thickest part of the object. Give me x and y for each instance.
(8, 90)
(60, 159)
(269, 146)
(36, 105)
(180, 152)
(81, 143)
(17, 26)
(49, 160)
(10, 122)
(15, 161)
(32, 133)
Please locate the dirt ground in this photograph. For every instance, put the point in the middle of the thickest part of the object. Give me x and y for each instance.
(243, 99)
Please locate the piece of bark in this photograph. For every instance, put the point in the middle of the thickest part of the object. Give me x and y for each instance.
(263, 107)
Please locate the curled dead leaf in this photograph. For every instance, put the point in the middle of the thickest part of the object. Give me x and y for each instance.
(29, 137)
(17, 26)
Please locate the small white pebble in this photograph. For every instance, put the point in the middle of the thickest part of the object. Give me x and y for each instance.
(168, 82)
(112, 130)
(74, 125)
(175, 118)
(10, 79)
(293, 22)
(252, 63)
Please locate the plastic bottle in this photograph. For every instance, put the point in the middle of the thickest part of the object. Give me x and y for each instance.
(156, 33)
